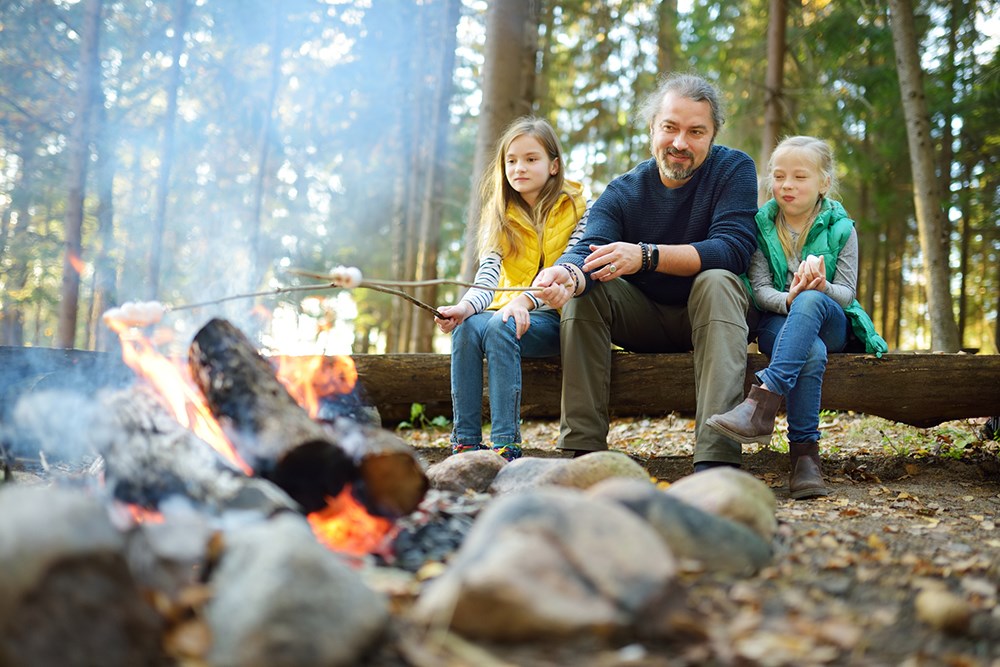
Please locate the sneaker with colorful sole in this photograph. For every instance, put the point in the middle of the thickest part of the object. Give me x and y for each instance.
(509, 452)
(461, 449)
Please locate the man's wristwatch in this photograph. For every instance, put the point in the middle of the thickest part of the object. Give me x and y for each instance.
(654, 258)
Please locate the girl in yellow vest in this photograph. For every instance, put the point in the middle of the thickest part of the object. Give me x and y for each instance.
(803, 276)
(531, 213)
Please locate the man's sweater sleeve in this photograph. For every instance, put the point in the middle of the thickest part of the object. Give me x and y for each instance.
(732, 234)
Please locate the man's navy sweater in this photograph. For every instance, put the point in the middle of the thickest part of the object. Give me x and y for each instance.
(714, 212)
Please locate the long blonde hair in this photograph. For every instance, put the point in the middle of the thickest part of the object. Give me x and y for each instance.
(495, 230)
(820, 154)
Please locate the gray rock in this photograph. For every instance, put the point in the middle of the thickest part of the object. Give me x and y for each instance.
(731, 493)
(462, 472)
(589, 469)
(284, 600)
(67, 595)
(550, 563)
(717, 544)
(523, 473)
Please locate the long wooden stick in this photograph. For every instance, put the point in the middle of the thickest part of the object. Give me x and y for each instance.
(306, 288)
(385, 286)
(417, 283)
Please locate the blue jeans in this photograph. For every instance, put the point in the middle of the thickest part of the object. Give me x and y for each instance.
(487, 335)
(797, 345)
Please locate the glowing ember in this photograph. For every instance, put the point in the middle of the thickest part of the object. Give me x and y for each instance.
(143, 515)
(344, 525)
(309, 379)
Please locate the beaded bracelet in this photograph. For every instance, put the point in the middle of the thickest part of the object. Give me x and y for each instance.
(644, 248)
(576, 280)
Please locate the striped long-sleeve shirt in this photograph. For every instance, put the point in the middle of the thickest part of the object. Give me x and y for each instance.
(488, 276)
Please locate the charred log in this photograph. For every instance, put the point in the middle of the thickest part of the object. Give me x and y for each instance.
(273, 435)
(391, 481)
(278, 439)
(149, 457)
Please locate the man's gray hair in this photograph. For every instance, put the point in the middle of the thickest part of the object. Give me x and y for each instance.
(690, 86)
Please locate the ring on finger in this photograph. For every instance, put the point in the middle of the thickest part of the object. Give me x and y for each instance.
(612, 268)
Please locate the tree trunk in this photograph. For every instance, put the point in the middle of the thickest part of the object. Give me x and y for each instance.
(927, 196)
(668, 44)
(167, 150)
(917, 389)
(511, 46)
(105, 275)
(443, 23)
(773, 90)
(79, 152)
(17, 240)
(405, 196)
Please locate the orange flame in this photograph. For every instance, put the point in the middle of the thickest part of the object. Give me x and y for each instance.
(75, 261)
(345, 526)
(140, 514)
(309, 379)
(172, 381)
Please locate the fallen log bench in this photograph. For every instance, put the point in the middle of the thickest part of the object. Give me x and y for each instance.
(920, 389)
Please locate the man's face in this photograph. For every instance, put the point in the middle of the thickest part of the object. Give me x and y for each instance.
(681, 136)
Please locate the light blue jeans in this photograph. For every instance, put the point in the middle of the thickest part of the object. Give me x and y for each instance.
(797, 345)
(487, 335)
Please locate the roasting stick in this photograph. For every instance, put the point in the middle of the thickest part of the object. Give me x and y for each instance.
(138, 314)
(350, 277)
(407, 283)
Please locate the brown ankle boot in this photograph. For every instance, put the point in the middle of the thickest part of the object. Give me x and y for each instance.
(806, 478)
(750, 421)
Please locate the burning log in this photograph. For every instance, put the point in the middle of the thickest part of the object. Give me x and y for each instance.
(391, 481)
(280, 442)
(148, 457)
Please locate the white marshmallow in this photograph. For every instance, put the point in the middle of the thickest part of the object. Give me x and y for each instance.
(136, 313)
(348, 277)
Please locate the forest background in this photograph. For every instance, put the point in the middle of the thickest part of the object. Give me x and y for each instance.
(188, 151)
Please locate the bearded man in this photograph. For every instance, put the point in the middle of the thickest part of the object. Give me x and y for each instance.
(657, 271)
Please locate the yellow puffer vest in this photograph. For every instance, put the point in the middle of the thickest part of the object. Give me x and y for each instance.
(534, 253)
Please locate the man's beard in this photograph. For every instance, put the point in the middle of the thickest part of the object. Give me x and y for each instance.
(676, 172)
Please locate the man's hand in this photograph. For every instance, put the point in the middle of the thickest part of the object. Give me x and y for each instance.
(558, 283)
(607, 262)
(453, 316)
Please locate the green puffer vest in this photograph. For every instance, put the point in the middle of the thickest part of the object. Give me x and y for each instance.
(829, 233)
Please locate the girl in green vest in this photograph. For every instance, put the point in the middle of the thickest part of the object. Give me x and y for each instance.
(531, 213)
(803, 277)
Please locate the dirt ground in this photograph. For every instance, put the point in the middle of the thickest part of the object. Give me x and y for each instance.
(900, 565)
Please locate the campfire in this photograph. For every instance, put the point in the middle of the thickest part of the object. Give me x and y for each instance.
(189, 457)
(262, 418)
(231, 517)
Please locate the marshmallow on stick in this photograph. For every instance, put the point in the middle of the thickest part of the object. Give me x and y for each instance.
(347, 277)
(135, 314)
